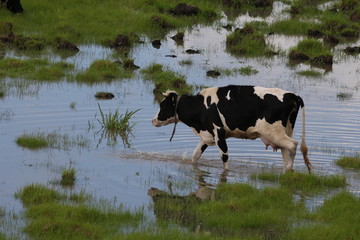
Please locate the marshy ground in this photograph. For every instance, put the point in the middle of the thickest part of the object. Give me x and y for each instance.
(65, 171)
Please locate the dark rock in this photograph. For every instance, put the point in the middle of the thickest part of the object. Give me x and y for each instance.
(121, 41)
(212, 73)
(192, 51)
(161, 22)
(295, 55)
(66, 45)
(172, 56)
(294, 10)
(263, 3)
(352, 50)
(322, 60)
(104, 95)
(156, 44)
(13, 6)
(178, 38)
(184, 10)
(331, 39)
(228, 27)
(315, 33)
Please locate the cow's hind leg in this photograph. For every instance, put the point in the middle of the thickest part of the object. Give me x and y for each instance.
(221, 143)
(198, 151)
(288, 150)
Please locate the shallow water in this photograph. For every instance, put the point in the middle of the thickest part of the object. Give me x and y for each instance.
(125, 174)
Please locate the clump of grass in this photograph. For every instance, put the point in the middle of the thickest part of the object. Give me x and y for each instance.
(116, 123)
(68, 177)
(103, 70)
(52, 215)
(343, 95)
(247, 42)
(292, 27)
(309, 73)
(32, 142)
(312, 48)
(186, 62)
(36, 194)
(166, 80)
(302, 181)
(34, 69)
(39, 140)
(349, 162)
(247, 71)
(73, 106)
(338, 218)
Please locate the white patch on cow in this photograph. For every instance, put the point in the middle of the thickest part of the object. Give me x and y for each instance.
(228, 95)
(167, 93)
(212, 93)
(205, 136)
(261, 92)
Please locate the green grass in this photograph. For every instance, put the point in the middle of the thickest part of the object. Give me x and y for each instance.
(310, 73)
(292, 27)
(344, 95)
(53, 215)
(78, 21)
(338, 218)
(115, 123)
(34, 69)
(247, 42)
(39, 139)
(166, 80)
(247, 71)
(103, 70)
(312, 48)
(349, 162)
(302, 181)
(68, 177)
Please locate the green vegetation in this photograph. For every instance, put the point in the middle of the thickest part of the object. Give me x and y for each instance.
(312, 48)
(166, 80)
(103, 70)
(53, 215)
(117, 124)
(35, 69)
(247, 42)
(302, 181)
(44, 22)
(349, 162)
(310, 73)
(343, 95)
(38, 140)
(247, 71)
(68, 177)
(338, 218)
(292, 27)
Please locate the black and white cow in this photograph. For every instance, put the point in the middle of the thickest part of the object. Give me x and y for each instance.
(245, 112)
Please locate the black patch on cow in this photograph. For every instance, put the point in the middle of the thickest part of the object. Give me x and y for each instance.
(167, 107)
(208, 101)
(244, 107)
(203, 147)
(192, 111)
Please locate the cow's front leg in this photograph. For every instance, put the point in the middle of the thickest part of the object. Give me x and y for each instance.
(221, 143)
(198, 151)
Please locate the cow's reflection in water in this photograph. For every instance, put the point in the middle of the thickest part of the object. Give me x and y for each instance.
(169, 206)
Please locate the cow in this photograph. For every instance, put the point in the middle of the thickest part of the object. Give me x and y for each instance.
(246, 112)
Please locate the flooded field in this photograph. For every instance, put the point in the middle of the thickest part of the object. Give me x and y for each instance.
(110, 170)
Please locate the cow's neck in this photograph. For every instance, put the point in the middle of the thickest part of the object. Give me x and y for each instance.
(189, 110)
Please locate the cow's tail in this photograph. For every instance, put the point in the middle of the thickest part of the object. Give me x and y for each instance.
(303, 147)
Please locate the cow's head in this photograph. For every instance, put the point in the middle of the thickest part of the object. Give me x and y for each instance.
(166, 114)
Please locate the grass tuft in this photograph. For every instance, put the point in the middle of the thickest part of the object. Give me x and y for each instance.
(68, 177)
(166, 80)
(349, 162)
(302, 181)
(116, 123)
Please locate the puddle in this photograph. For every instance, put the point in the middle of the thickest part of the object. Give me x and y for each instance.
(125, 175)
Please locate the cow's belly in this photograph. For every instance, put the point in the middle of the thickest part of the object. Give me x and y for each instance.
(249, 134)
